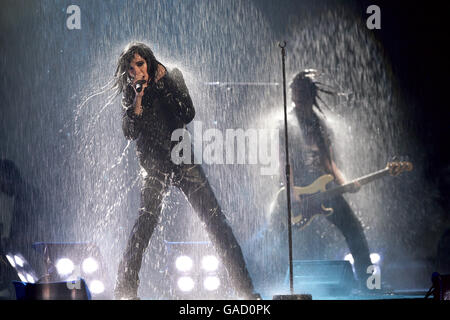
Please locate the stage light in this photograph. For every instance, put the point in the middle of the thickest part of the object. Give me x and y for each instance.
(96, 287)
(210, 263)
(64, 266)
(19, 261)
(211, 283)
(184, 263)
(349, 258)
(21, 277)
(89, 265)
(375, 258)
(74, 261)
(186, 284)
(30, 278)
(11, 260)
(23, 269)
(202, 275)
(319, 278)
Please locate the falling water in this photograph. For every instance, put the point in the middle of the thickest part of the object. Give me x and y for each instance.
(69, 142)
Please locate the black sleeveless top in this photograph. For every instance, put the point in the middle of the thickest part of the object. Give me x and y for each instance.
(309, 146)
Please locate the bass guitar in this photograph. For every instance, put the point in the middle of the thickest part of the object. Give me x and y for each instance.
(309, 200)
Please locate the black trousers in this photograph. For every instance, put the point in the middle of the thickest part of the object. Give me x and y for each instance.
(351, 228)
(275, 237)
(194, 184)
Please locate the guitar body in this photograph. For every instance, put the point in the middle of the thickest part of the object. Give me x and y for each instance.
(304, 209)
(317, 186)
(310, 207)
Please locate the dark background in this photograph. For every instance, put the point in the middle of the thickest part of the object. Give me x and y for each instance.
(414, 35)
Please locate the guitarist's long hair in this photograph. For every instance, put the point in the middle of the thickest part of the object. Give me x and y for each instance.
(305, 82)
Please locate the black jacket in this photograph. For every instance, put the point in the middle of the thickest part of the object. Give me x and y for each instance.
(166, 106)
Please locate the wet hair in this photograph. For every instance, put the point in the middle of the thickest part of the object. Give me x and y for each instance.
(122, 79)
(306, 85)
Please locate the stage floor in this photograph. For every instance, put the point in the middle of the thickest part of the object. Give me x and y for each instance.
(380, 295)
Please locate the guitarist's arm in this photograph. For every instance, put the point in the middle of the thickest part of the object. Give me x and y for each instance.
(337, 173)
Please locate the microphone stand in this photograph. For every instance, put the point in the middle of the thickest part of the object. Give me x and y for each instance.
(292, 296)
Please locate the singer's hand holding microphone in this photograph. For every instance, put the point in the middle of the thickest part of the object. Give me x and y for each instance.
(139, 88)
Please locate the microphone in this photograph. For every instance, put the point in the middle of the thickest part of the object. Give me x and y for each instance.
(139, 85)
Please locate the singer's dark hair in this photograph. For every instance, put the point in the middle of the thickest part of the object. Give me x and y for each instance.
(121, 84)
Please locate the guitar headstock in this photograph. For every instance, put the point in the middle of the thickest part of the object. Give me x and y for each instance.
(397, 167)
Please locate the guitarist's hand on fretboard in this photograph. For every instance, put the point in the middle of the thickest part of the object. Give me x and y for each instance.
(354, 187)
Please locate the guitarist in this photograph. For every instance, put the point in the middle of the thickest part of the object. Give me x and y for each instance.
(311, 156)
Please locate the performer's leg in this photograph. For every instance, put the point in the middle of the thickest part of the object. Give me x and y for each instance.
(152, 194)
(195, 186)
(345, 219)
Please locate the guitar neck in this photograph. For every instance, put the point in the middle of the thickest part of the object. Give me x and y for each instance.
(362, 181)
(371, 177)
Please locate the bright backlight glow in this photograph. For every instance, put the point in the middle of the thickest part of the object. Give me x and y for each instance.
(375, 258)
(349, 258)
(211, 283)
(19, 261)
(185, 284)
(89, 265)
(22, 277)
(30, 278)
(210, 263)
(64, 266)
(11, 260)
(184, 263)
(97, 287)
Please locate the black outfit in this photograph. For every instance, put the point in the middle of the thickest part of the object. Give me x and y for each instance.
(166, 107)
(309, 145)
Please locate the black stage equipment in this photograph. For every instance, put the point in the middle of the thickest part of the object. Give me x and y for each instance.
(440, 288)
(323, 278)
(71, 261)
(66, 290)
